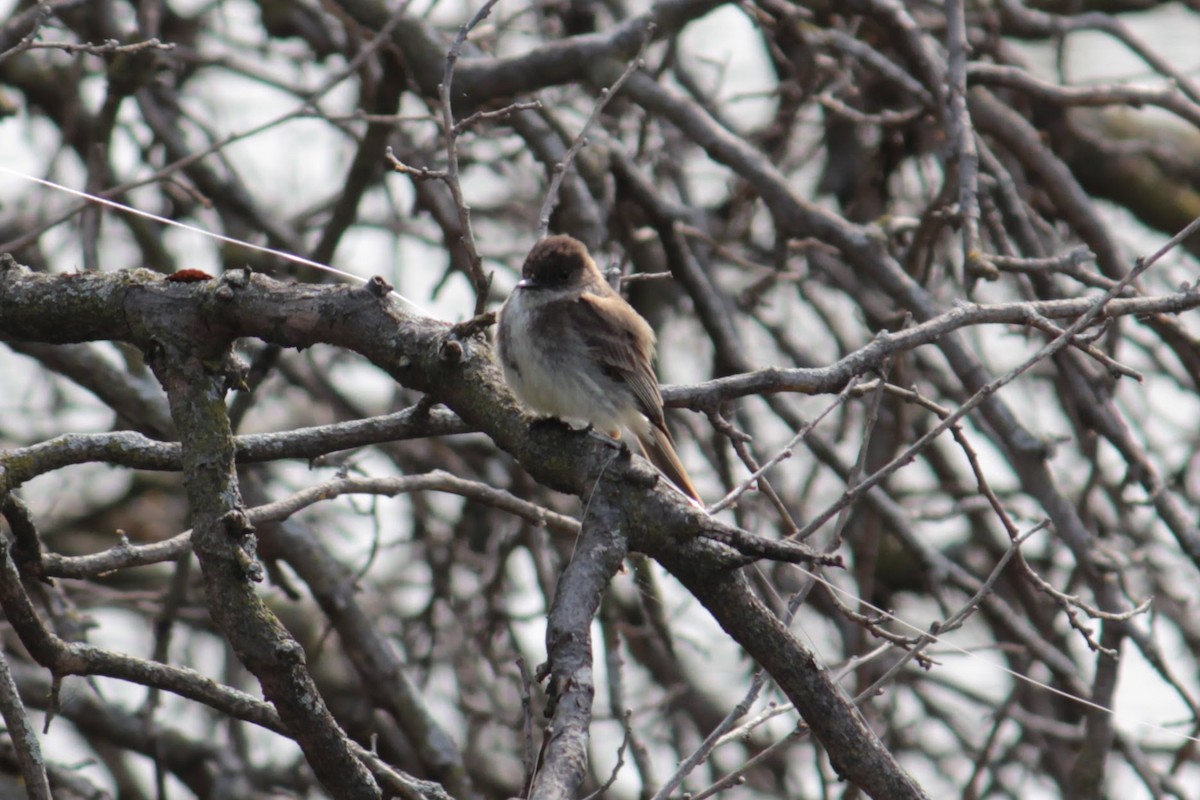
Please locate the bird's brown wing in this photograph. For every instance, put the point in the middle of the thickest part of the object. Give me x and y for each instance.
(623, 345)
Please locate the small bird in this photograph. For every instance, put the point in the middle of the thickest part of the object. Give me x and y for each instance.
(573, 348)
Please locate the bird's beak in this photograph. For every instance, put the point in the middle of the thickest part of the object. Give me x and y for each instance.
(526, 283)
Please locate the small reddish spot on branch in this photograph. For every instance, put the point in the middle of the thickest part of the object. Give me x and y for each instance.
(189, 276)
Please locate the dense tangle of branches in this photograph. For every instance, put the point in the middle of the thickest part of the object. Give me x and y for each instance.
(927, 336)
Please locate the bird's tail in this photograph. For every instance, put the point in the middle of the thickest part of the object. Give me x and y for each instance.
(659, 450)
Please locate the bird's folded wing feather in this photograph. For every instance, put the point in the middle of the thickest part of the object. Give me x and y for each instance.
(623, 355)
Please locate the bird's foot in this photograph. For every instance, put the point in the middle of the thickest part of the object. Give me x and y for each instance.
(615, 442)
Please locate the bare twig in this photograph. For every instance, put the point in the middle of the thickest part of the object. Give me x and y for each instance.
(450, 133)
(24, 737)
(606, 94)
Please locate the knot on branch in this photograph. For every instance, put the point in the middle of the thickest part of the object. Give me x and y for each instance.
(641, 478)
(378, 287)
(238, 278)
(473, 326)
(290, 652)
(10, 264)
(231, 282)
(235, 370)
(237, 524)
(239, 528)
(980, 268)
(451, 351)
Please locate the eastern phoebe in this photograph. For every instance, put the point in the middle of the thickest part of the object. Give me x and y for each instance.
(573, 348)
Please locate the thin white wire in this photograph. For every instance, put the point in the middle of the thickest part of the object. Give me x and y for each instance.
(104, 201)
(1121, 717)
(326, 268)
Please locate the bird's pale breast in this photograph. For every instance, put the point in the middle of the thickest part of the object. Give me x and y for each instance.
(550, 370)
